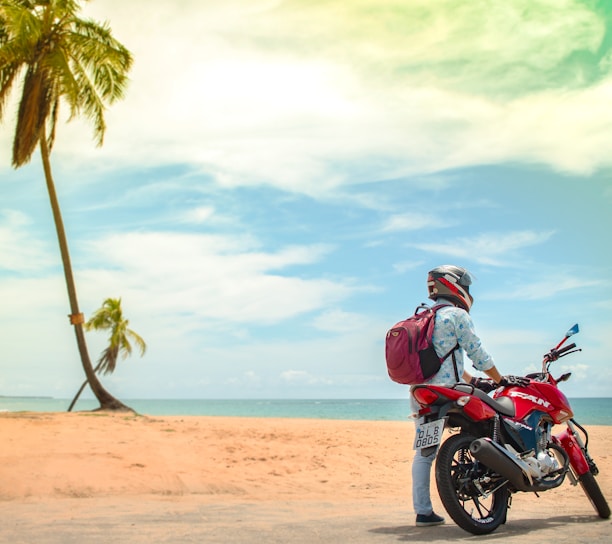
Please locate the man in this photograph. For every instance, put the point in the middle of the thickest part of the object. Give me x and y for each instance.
(449, 287)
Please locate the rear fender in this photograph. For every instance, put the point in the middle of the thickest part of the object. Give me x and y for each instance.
(452, 400)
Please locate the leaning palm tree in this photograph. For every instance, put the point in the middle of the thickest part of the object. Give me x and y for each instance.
(110, 317)
(59, 58)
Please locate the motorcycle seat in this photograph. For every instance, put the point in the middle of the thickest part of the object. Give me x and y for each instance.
(503, 405)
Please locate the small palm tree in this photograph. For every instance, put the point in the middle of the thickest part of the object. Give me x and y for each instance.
(110, 317)
(60, 58)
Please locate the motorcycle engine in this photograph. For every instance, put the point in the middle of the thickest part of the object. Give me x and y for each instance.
(542, 464)
(542, 461)
(548, 461)
(534, 442)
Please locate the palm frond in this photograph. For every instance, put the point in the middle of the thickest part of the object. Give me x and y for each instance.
(108, 361)
(66, 58)
(8, 73)
(137, 339)
(94, 48)
(32, 114)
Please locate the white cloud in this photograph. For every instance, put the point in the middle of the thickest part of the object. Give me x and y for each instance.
(405, 266)
(604, 304)
(339, 321)
(248, 380)
(579, 371)
(232, 89)
(20, 252)
(556, 283)
(564, 129)
(490, 248)
(190, 297)
(198, 215)
(210, 277)
(301, 377)
(413, 221)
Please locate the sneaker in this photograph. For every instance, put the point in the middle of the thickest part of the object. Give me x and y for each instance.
(429, 521)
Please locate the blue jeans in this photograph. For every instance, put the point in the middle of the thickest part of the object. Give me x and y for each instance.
(421, 476)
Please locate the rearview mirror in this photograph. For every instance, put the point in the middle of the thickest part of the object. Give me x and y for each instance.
(574, 330)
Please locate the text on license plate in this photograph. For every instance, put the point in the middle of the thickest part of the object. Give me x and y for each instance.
(428, 434)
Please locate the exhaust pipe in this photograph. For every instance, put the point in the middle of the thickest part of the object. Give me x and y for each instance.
(503, 462)
(511, 467)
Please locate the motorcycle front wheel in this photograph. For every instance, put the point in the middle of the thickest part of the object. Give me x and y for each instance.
(593, 492)
(473, 499)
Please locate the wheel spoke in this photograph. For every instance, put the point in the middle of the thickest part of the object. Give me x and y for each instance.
(474, 500)
(479, 506)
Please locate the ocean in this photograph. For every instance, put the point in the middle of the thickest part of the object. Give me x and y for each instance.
(587, 411)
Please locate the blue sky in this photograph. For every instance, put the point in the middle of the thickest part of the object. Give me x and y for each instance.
(281, 176)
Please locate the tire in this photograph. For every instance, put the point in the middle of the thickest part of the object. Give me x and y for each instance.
(593, 492)
(456, 470)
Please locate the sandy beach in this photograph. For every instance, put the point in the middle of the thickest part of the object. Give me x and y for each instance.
(100, 477)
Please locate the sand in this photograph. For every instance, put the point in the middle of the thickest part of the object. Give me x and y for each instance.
(100, 477)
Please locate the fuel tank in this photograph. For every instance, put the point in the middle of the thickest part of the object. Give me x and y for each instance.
(538, 396)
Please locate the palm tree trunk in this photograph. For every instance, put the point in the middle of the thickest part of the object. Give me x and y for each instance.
(106, 400)
(78, 394)
(76, 397)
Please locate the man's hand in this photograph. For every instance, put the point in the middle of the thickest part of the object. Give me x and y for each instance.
(514, 381)
(483, 384)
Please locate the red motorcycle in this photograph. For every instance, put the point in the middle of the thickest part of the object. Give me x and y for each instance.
(504, 444)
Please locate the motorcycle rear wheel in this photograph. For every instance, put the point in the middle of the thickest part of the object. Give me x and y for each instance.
(593, 492)
(456, 471)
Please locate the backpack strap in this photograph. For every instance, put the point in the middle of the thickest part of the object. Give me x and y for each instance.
(455, 364)
(452, 353)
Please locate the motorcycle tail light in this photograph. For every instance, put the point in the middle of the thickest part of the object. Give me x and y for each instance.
(425, 396)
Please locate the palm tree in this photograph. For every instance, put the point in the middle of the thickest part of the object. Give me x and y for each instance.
(61, 58)
(110, 317)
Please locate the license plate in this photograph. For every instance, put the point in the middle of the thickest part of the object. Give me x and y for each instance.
(428, 434)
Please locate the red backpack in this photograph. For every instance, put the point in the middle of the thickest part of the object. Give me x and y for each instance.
(411, 357)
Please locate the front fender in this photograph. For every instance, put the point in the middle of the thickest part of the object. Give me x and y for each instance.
(576, 456)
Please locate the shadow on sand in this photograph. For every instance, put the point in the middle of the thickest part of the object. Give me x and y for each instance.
(519, 527)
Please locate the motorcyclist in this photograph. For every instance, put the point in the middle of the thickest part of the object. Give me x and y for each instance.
(449, 286)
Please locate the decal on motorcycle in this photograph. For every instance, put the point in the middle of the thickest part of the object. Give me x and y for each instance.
(518, 424)
(536, 400)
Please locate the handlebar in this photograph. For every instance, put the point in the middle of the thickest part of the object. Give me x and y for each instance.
(566, 348)
(557, 352)
(554, 354)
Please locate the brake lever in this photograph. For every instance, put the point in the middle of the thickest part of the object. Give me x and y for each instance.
(568, 352)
